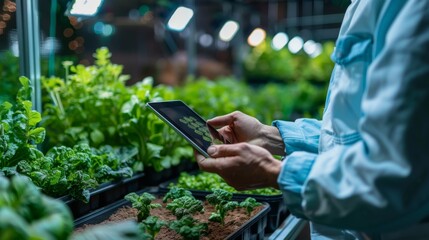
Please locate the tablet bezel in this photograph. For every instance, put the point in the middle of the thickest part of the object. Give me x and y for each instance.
(155, 106)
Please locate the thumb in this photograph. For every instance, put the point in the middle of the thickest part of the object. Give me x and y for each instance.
(226, 150)
(209, 165)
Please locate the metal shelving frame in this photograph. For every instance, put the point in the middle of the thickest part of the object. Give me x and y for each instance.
(27, 15)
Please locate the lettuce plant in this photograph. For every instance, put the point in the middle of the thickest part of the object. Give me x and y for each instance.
(143, 204)
(27, 214)
(188, 227)
(249, 204)
(221, 200)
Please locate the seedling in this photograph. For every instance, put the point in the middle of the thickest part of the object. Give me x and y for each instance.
(175, 193)
(143, 204)
(249, 204)
(152, 225)
(186, 205)
(221, 199)
(188, 227)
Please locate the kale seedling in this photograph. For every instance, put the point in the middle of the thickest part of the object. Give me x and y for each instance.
(221, 199)
(188, 227)
(249, 204)
(176, 192)
(183, 206)
(143, 204)
(152, 225)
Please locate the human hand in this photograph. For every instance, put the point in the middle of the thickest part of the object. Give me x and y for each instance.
(243, 166)
(238, 127)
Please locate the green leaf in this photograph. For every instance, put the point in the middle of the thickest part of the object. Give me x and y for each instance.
(97, 137)
(24, 92)
(37, 135)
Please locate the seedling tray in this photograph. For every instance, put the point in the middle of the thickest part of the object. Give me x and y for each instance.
(278, 210)
(105, 194)
(253, 229)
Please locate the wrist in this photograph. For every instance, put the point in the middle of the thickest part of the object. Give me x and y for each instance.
(271, 140)
(274, 170)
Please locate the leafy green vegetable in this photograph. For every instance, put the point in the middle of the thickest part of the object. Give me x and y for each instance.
(73, 170)
(188, 227)
(85, 107)
(249, 204)
(207, 181)
(176, 192)
(221, 199)
(18, 131)
(9, 73)
(142, 203)
(27, 214)
(159, 145)
(152, 225)
(183, 206)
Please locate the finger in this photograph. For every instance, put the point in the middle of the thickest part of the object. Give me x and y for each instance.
(227, 134)
(211, 165)
(198, 156)
(226, 150)
(221, 121)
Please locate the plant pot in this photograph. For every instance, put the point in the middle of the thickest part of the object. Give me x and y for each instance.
(251, 229)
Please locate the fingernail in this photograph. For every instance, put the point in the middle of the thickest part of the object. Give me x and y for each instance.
(211, 150)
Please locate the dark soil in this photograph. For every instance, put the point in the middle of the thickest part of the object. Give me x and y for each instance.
(233, 221)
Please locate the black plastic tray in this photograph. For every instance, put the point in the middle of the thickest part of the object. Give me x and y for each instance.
(111, 192)
(277, 214)
(105, 194)
(253, 229)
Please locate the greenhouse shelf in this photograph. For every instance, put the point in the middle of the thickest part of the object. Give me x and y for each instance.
(289, 229)
(278, 211)
(253, 229)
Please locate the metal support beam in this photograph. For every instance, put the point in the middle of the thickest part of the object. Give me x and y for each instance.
(237, 44)
(27, 17)
(191, 48)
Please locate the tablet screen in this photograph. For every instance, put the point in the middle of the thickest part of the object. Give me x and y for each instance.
(188, 123)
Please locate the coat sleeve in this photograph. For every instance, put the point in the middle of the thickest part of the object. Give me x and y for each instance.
(300, 135)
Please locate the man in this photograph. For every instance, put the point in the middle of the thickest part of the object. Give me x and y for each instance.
(365, 166)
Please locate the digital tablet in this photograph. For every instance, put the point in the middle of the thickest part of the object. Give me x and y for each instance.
(188, 124)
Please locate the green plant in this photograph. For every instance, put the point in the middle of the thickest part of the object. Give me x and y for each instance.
(214, 98)
(73, 171)
(207, 181)
(157, 143)
(188, 227)
(221, 199)
(152, 225)
(142, 203)
(249, 204)
(62, 170)
(176, 192)
(27, 214)
(19, 133)
(69, 115)
(183, 206)
(9, 73)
